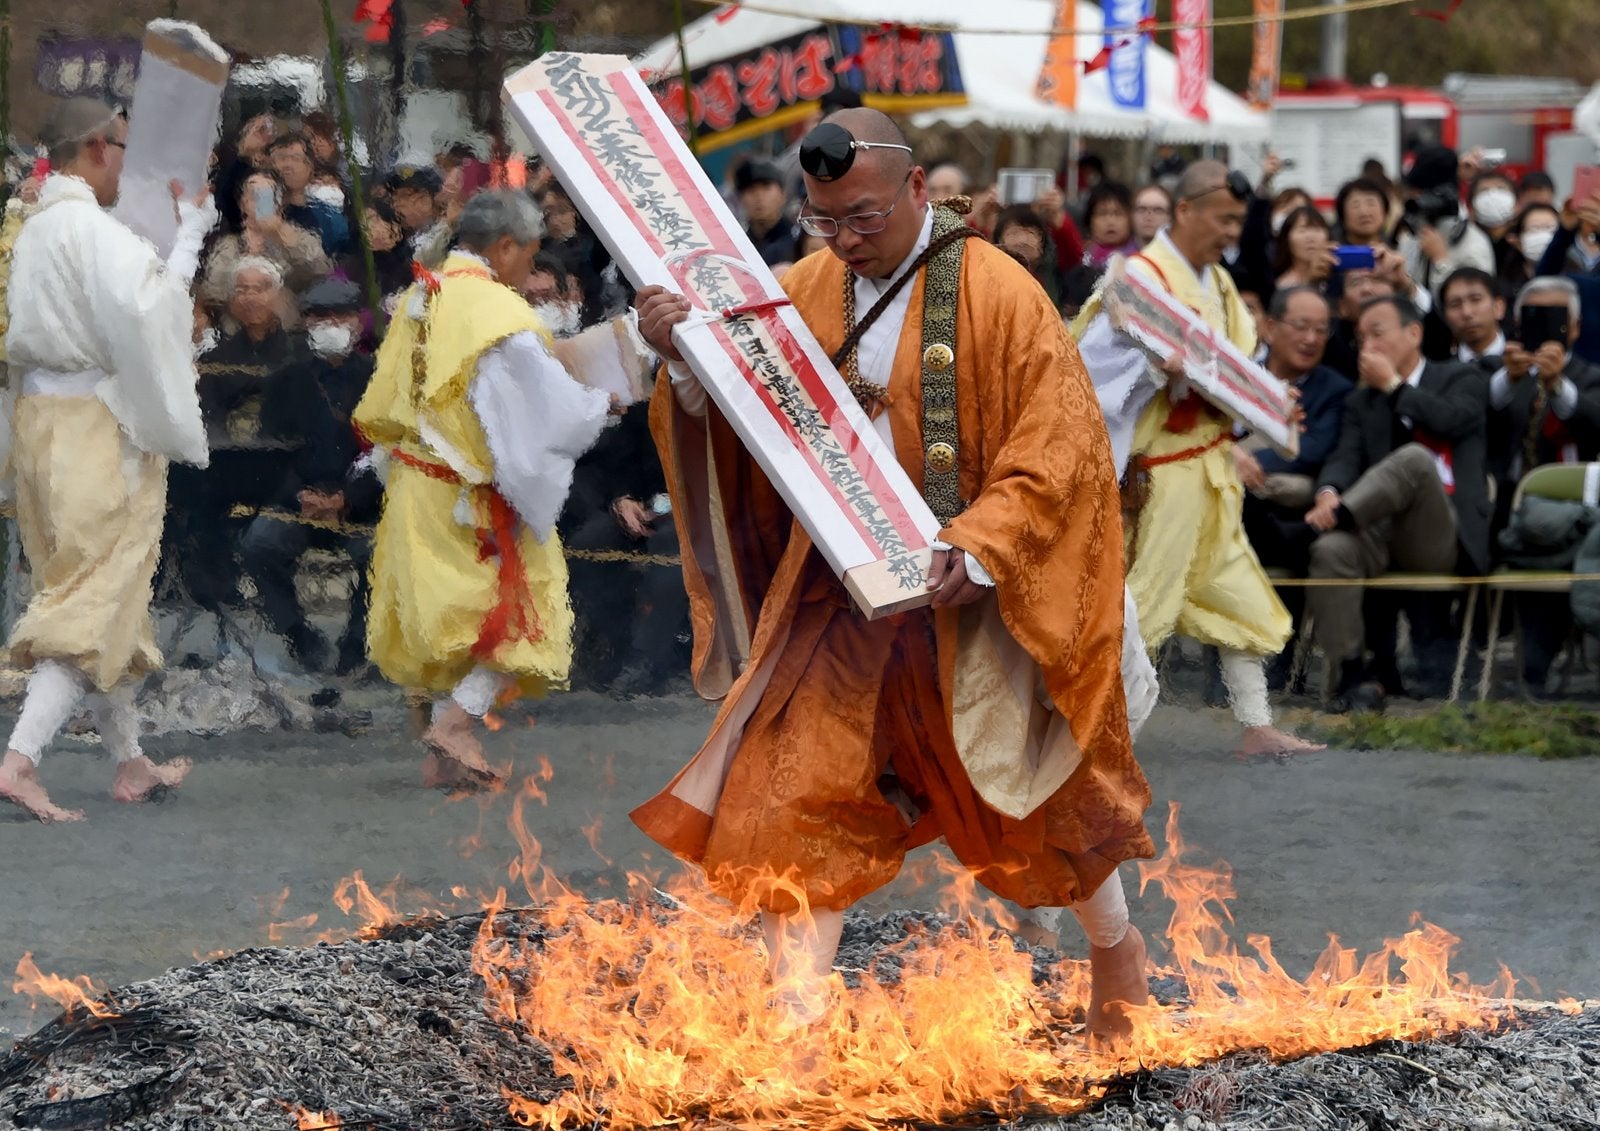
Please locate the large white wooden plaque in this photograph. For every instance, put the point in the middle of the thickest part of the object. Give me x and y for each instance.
(645, 196)
(172, 126)
(1217, 369)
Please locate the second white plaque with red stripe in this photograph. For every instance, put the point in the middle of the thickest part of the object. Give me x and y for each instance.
(646, 197)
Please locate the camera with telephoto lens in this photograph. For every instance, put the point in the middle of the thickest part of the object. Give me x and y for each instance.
(1432, 207)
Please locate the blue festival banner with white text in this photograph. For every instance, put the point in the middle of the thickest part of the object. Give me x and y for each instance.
(1125, 69)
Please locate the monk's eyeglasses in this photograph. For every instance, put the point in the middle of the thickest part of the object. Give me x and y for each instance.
(829, 150)
(862, 223)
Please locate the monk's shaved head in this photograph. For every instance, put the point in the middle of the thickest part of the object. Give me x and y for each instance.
(1209, 215)
(867, 124)
(1201, 177)
(877, 207)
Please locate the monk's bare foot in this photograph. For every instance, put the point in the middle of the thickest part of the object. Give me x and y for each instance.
(140, 779)
(20, 786)
(1270, 742)
(1117, 981)
(801, 1034)
(455, 756)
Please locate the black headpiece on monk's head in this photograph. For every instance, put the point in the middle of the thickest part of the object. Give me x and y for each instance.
(828, 152)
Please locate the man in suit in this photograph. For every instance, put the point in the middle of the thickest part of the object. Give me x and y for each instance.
(1278, 490)
(1474, 310)
(1544, 407)
(1544, 403)
(1407, 487)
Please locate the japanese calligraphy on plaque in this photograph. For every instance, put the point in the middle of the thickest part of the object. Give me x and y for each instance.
(624, 165)
(1162, 326)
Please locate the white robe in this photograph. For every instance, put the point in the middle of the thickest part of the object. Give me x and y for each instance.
(88, 296)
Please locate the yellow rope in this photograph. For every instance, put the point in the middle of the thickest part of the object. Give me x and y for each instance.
(1311, 13)
(350, 528)
(1515, 579)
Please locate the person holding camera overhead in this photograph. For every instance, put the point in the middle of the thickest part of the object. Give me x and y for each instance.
(1438, 236)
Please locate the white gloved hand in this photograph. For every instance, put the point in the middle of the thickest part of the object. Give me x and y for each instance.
(195, 222)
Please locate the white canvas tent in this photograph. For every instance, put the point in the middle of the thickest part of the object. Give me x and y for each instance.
(1001, 47)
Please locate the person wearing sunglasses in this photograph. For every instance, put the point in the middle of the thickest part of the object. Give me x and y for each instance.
(1191, 571)
(99, 348)
(847, 740)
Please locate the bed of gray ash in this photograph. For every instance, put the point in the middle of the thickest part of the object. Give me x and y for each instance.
(389, 1033)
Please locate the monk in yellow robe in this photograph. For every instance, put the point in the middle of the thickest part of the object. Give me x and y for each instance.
(477, 426)
(1192, 571)
(845, 742)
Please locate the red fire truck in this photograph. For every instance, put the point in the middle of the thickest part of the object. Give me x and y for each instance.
(1327, 130)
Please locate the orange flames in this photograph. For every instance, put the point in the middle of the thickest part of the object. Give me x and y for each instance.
(71, 994)
(315, 1120)
(661, 1011)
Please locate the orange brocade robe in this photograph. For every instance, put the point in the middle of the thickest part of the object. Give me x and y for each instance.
(790, 781)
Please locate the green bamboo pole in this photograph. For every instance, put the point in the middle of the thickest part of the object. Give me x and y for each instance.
(539, 12)
(358, 190)
(5, 80)
(688, 80)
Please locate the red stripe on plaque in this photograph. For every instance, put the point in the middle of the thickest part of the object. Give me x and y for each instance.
(724, 242)
(885, 496)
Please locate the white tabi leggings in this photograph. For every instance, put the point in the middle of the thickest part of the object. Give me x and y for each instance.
(475, 694)
(55, 691)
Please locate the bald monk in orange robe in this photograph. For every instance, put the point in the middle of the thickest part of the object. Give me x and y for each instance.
(842, 743)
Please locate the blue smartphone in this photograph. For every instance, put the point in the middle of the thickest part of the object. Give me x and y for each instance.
(1356, 257)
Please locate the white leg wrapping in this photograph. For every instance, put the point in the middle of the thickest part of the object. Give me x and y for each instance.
(118, 724)
(476, 693)
(1139, 681)
(1104, 915)
(54, 692)
(1247, 688)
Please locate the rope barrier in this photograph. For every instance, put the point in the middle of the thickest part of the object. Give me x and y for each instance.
(1512, 579)
(1315, 12)
(354, 529)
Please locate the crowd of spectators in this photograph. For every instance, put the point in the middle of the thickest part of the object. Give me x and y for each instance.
(1480, 292)
(285, 340)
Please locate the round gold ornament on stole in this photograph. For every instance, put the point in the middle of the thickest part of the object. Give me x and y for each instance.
(942, 457)
(938, 357)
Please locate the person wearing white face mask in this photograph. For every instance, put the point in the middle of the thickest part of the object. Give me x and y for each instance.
(323, 495)
(1494, 203)
(1531, 234)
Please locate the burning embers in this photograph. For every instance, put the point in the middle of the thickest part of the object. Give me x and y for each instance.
(664, 1015)
(657, 1012)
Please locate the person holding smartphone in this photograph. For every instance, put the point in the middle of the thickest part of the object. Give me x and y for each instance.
(264, 234)
(1544, 407)
(1545, 400)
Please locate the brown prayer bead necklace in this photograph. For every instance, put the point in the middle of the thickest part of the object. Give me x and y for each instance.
(846, 357)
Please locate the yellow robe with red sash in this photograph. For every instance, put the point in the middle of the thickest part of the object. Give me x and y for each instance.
(457, 580)
(823, 703)
(1193, 570)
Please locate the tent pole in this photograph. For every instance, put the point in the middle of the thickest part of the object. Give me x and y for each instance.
(1074, 155)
